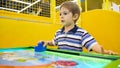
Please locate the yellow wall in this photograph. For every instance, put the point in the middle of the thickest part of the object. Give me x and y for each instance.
(102, 24)
(16, 33)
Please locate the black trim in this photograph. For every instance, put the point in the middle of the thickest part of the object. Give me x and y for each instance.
(80, 31)
(63, 52)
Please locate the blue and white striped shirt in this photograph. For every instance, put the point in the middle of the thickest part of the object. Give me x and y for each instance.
(74, 39)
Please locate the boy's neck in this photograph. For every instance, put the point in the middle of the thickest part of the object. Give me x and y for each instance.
(68, 28)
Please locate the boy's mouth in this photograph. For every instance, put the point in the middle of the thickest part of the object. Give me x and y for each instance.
(62, 20)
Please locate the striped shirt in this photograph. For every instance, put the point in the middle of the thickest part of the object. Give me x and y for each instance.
(74, 39)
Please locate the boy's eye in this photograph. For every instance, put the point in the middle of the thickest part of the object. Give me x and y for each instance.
(60, 14)
(65, 13)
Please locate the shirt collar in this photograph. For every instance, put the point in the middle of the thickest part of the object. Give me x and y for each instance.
(73, 30)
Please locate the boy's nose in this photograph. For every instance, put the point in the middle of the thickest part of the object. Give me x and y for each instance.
(61, 17)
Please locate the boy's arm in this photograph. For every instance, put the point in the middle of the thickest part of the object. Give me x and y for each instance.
(99, 49)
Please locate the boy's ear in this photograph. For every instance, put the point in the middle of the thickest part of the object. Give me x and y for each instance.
(75, 16)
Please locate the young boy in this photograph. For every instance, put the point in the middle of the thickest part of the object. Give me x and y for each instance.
(72, 37)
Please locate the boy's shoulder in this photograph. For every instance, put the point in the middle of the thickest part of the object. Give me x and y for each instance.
(59, 30)
(81, 30)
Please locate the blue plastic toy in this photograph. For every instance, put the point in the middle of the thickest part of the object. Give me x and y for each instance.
(40, 47)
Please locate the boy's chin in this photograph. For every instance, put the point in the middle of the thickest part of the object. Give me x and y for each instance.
(64, 24)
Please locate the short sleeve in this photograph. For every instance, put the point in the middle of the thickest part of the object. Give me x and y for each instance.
(88, 41)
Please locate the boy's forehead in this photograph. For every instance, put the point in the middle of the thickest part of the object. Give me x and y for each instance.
(64, 9)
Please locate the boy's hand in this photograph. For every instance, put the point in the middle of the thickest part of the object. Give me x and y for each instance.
(110, 52)
(99, 49)
(45, 43)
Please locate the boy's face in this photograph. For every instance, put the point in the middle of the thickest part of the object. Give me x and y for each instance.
(66, 17)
